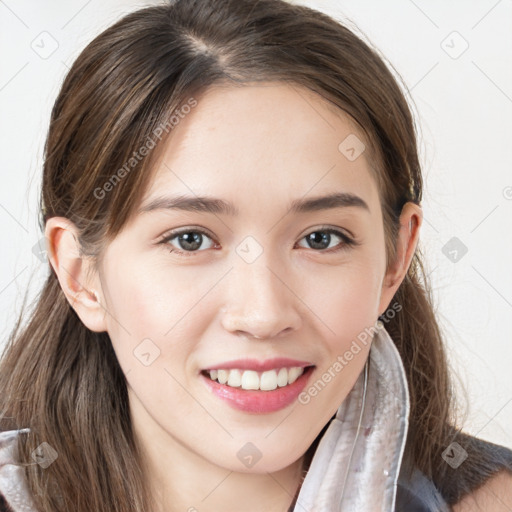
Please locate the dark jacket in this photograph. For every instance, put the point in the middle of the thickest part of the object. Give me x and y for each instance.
(416, 493)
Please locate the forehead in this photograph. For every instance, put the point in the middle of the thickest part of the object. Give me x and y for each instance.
(261, 142)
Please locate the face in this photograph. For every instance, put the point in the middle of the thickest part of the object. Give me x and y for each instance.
(189, 290)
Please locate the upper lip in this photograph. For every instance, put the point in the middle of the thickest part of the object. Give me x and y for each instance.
(258, 365)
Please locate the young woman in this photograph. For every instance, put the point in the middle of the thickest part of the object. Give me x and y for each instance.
(236, 315)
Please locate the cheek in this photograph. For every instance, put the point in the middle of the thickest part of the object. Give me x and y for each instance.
(153, 328)
(158, 304)
(150, 297)
(347, 311)
(345, 298)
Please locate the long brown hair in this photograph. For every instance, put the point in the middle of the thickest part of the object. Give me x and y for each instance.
(62, 380)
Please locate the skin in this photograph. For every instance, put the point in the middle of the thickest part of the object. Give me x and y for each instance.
(260, 147)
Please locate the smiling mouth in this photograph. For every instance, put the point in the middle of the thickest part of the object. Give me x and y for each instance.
(257, 381)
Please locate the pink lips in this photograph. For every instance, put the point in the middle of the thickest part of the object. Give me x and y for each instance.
(257, 401)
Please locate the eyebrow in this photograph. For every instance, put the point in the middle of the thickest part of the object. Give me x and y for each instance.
(206, 204)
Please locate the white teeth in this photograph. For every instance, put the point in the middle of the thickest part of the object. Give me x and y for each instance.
(250, 379)
(282, 377)
(268, 380)
(222, 376)
(235, 379)
(294, 373)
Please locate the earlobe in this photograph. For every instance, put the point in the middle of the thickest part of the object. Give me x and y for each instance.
(72, 268)
(411, 219)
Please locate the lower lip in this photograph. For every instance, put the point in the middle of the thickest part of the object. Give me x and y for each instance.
(257, 401)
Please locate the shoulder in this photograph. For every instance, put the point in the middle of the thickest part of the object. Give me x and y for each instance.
(471, 468)
(473, 475)
(495, 495)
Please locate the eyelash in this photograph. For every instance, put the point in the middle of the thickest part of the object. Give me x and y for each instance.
(345, 245)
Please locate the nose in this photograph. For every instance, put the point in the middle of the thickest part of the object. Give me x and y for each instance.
(260, 302)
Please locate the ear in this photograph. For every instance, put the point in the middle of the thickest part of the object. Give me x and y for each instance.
(81, 285)
(411, 219)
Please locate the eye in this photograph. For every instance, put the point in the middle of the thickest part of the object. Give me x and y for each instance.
(187, 241)
(323, 238)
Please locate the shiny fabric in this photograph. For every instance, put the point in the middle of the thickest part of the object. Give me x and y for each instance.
(13, 486)
(357, 463)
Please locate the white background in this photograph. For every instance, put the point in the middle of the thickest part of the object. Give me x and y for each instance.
(463, 102)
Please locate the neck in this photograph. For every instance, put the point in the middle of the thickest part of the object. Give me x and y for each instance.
(180, 480)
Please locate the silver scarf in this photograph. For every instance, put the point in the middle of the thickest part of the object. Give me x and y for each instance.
(357, 461)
